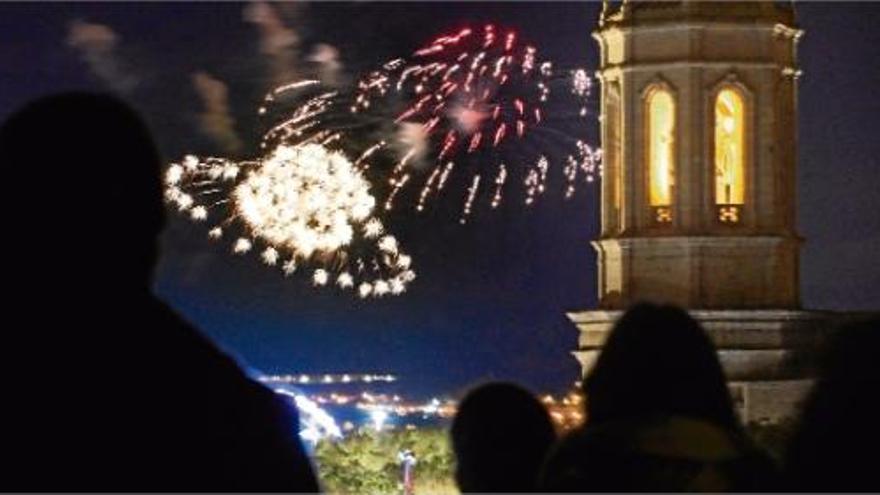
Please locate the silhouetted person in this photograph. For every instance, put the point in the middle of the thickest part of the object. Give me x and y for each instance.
(500, 436)
(836, 446)
(106, 388)
(659, 416)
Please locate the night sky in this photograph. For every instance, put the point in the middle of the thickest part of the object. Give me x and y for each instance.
(490, 299)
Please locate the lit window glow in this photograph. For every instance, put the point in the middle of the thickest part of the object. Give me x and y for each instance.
(661, 147)
(729, 148)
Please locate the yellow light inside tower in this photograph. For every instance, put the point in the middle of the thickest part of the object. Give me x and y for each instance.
(661, 147)
(729, 148)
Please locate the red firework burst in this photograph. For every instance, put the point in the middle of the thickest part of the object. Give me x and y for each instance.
(474, 93)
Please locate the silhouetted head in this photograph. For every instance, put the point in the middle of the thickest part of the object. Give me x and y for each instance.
(657, 361)
(83, 188)
(833, 450)
(500, 436)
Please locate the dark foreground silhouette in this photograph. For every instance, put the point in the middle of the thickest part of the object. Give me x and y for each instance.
(500, 436)
(835, 448)
(660, 417)
(106, 388)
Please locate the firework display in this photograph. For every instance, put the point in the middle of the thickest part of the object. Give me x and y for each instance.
(301, 204)
(479, 104)
(475, 116)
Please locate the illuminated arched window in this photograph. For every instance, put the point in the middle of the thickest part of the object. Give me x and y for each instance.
(730, 152)
(661, 149)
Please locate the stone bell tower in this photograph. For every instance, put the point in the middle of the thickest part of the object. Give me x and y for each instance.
(699, 133)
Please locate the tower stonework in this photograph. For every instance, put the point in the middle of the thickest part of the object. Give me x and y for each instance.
(698, 130)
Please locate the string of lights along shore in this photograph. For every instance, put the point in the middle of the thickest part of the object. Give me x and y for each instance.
(328, 412)
(328, 379)
(475, 115)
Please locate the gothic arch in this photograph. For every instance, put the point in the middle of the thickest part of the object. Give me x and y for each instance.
(661, 143)
(731, 149)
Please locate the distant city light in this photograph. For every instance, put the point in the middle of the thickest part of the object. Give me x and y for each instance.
(387, 411)
(384, 411)
(566, 412)
(378, 417)
(315, 422)
(328, 378)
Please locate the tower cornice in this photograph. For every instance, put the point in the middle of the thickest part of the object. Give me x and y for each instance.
(650, 12)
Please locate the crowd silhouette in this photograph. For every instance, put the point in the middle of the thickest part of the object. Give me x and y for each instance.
(107, 388)
(500, 436)
(660, 416)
